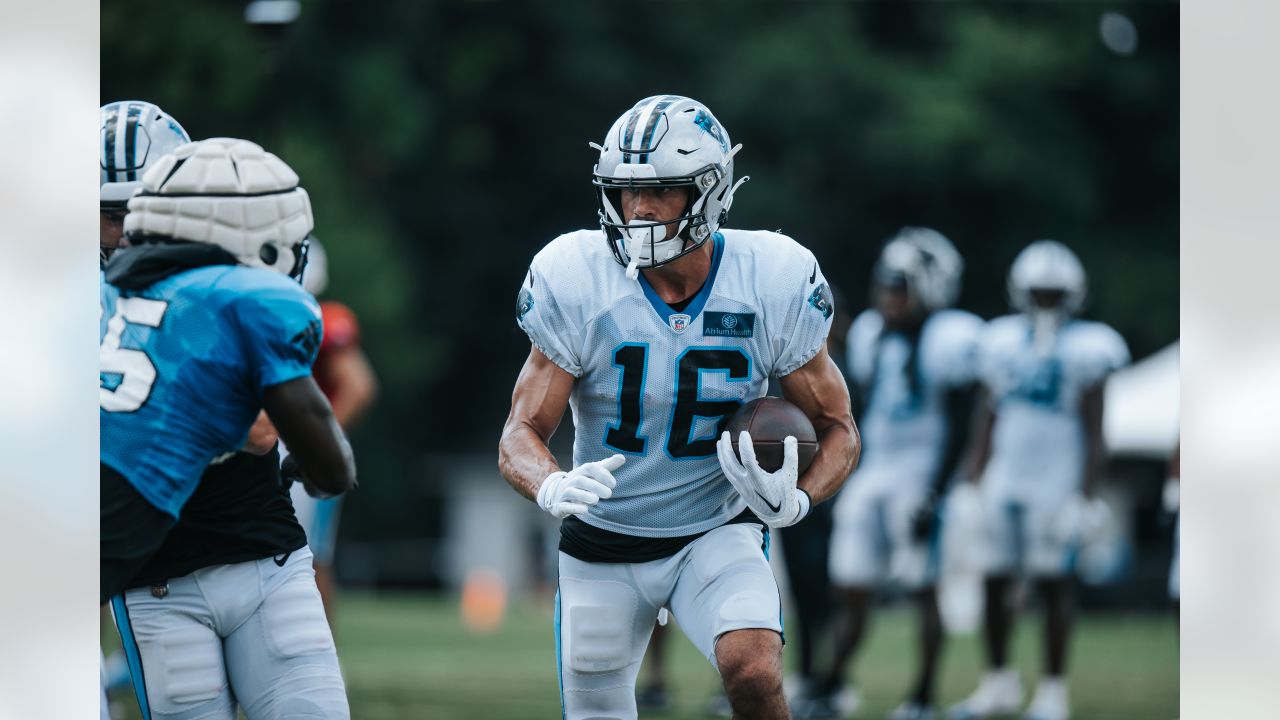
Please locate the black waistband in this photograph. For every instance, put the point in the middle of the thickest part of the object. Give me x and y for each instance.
(592, 544)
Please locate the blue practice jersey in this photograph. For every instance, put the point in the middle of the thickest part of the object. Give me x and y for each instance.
(183, 365)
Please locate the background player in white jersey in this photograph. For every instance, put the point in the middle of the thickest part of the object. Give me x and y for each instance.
(654, 331)
(912, 360)
(1038, 448)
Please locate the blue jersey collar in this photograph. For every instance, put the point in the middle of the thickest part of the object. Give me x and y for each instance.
(695, 306)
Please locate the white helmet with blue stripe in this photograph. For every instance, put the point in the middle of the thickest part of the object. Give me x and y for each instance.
(665, 141)
(134, 135)
(926, 262)
(1047, 265)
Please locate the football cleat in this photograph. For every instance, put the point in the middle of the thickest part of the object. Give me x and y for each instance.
(1051, 701)
(911, 710)
(999, 693)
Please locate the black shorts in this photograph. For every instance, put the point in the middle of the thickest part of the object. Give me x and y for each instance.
(132, 529)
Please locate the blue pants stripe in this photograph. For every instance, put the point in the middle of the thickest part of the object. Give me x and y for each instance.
(131, 653)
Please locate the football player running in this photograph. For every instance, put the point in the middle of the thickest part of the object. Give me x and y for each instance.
(199, 331)
(654, 329)
(1038, 449)
(912, 359)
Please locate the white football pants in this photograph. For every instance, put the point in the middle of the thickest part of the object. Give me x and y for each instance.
(605, 613)
(251, 633)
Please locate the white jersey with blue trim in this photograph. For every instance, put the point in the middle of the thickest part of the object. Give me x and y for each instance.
(656, 384)
(904, 421)
(1038, 443)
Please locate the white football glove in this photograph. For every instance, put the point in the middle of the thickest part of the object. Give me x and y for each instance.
(571, 493)
(773, 497)
(1081, 519)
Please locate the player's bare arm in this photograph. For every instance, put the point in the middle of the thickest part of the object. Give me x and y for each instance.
(979, 450)
(818, 388)
(1091, 405)
(305, 420)
(537, 405)
(262, 436)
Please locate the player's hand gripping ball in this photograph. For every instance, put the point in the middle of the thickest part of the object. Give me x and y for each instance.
(768, 484)
(769, 420)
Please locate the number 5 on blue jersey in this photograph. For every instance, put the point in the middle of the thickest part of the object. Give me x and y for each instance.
(137, 371)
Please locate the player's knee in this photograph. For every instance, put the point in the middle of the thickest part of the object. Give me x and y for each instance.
(750, 664)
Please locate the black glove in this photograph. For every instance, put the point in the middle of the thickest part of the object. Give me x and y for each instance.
(290, 471)
(925, 519)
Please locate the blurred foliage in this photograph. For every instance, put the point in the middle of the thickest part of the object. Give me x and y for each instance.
(443, 143)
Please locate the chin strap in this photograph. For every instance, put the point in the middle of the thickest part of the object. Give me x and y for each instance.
(633, 269)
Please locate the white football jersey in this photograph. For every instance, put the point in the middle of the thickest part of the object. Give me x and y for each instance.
(655, 384)
(904, 424)
(1038, 445)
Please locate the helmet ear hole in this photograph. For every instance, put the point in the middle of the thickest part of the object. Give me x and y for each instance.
(268, 254)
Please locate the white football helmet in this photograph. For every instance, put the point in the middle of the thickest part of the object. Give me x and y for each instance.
(316, 277)
(230, 193)
(134, 135)
(1047, 265)
(926, 261)
(664, 141)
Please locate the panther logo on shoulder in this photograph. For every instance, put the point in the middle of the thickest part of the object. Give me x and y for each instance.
(524, 303)
(821, 300)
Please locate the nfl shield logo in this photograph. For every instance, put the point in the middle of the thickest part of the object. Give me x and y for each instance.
(679, 322)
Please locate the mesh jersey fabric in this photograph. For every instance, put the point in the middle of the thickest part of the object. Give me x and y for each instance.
(224, 334)
(905, 428)
(764, 311)
(1038, 442)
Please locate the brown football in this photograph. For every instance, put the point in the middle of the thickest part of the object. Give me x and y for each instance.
(770, 420)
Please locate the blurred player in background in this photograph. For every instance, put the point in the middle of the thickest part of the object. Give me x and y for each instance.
(654, 332)
(200, 330)
(1172, 502)
(912, 360)
(1038, 449)
(345, 376)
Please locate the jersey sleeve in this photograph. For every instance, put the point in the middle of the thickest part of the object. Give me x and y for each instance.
(807, 313)
(991, 344)
(953, 348)
(341, 330)
(544, 312)
(1099, 351)
(281, 328)
(860, 346)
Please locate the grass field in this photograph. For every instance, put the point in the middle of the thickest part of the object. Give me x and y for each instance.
(408, 656)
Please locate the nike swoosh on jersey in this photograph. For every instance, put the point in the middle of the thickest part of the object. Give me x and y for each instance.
(775, 508)
(813, 275)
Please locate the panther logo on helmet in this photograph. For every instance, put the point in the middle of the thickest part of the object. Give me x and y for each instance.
(664, 141)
